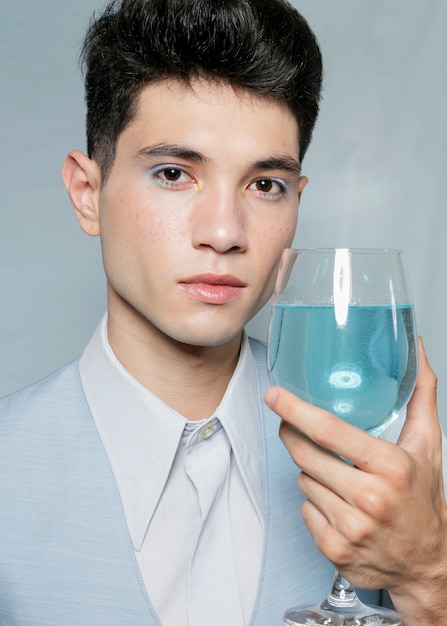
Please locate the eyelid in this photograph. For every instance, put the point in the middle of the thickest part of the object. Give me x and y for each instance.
(283, 185)
(155, 171)
(161, 167)
(276, 179)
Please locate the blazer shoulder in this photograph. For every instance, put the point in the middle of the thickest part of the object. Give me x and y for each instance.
(57, 394)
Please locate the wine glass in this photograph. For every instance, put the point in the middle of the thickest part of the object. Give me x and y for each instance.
(342, 336)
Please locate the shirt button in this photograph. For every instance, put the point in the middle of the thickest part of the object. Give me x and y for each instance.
(207, 430)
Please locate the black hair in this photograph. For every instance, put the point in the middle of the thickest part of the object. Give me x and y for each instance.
(263, 46)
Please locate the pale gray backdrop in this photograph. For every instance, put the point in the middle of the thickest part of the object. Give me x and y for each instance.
(377, 168)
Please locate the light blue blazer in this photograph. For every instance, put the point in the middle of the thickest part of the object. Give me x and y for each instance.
(65, 554)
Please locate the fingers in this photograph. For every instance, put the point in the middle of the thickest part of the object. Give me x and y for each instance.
(349, 522)
(319, 425)
(358, 513)
(333, 485)
(327, 431)
(422, 431)
(337, 539)
(324, 467)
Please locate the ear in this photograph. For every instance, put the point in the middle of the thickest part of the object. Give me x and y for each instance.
(82, 179)
(301, 184)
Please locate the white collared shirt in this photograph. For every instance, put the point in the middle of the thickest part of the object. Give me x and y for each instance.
(146, 442)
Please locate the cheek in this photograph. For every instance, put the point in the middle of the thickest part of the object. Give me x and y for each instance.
(127, 220)
(280, 236)
(270, 244)
(135, 239)
(289, 229)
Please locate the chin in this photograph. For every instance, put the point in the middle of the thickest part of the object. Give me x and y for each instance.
(210, 339)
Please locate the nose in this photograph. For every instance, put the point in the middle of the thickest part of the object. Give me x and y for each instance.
(219, 222)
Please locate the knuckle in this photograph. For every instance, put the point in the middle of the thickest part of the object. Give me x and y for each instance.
(375, 503)
(339, 553)
(356, 532)
(432, 378)
(401, 473)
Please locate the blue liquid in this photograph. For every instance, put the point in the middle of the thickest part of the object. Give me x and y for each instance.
(363, 371)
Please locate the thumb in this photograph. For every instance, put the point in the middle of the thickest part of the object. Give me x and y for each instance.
(422, 430)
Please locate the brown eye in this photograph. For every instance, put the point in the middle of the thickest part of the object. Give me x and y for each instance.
(264, 184)
(171, 177)
(270, 188)
(172, 174)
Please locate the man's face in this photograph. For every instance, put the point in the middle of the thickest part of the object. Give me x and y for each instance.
(202, 197)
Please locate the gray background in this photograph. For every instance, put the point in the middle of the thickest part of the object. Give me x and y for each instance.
(377, 168)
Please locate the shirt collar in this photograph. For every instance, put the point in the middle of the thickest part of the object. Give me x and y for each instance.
(141, 434)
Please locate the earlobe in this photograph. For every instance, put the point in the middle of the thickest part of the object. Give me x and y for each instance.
(82, 179)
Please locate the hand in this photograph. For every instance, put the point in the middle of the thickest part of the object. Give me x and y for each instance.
(382, 520)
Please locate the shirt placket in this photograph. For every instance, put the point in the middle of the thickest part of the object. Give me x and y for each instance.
(213, 595)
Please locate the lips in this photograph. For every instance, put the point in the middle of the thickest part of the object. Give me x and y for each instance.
(213, 288)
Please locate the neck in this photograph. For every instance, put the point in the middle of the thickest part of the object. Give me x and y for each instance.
(190, 379)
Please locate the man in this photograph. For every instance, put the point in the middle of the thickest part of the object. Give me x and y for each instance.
(146, 483)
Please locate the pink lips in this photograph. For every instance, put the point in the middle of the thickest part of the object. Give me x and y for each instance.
(213, 288)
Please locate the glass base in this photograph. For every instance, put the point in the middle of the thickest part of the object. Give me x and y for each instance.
(342, 608)
(359, 615)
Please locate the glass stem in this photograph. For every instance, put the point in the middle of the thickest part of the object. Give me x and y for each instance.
(342, 594)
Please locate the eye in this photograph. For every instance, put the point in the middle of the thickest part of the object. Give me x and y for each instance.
(171, 173)
(271, 188)
(170, 177)
(265, 184)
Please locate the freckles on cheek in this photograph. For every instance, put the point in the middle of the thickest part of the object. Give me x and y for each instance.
(140, 227)
(280, 238)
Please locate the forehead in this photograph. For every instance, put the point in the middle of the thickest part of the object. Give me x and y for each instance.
(172, 107)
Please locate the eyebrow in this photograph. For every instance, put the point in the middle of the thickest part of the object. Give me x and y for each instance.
(177, 151)
(280, 162)
(173, 150)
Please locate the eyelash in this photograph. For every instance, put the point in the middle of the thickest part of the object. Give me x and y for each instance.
(157, 173)
(281, 184)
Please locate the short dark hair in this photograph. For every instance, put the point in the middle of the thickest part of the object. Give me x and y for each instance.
(263, 46)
